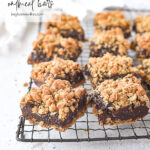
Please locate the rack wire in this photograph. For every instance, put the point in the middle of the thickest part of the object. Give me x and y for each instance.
(87, 127)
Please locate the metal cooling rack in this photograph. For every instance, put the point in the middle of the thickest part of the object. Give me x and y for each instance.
(87, 127)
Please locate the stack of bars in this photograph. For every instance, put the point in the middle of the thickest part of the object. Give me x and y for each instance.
(119, 89)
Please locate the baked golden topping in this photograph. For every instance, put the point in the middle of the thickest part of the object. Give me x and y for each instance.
(108, 66)
(123, 92)
(111, 19)
(145, 67)
(52, 44)
(114, 42)
(142, 23)
(54, 97)
(64, 21)
(58, 69)
(143, 41)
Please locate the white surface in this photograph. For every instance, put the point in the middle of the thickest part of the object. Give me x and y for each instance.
(14, 72)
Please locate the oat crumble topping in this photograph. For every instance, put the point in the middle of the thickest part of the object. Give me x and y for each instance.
(143, 40)
(146, 68)
(111, 19)
(108, 66)
(123, 92)
(142, 23)
(52, 44)
(55, 97)
(55, 68)
(64, 21)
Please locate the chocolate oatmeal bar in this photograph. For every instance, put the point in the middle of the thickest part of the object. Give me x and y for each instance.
(51, 44)
(145, 66)
(109, 20)
(67, 25)
(142, 24)
(120, 101)
(111, 41)
(58, 69)
(142, 45)
(54, 104)
(108, 67)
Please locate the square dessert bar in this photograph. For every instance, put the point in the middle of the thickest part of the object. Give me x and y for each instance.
(120, 101)
(55, 104)
(142, 24)
(67, 25)
(111, 41)
(58, 69)
(51, 44)
(108, 67)
(108, 20)
(142, 45)
(145, 67)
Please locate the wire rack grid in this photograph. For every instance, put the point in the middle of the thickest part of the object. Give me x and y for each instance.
(87, 127)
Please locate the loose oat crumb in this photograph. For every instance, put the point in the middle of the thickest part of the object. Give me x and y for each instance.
(85, 129)
(25, 84)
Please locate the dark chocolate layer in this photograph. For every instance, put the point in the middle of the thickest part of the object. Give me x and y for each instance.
(38, 56)
(141, 53)
(71, 33)
(123, 114)
(126, 34)
(102, 51)
(114, 77)
(49, 119)
(73, 79)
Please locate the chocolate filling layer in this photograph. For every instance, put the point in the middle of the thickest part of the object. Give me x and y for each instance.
(142, 53)
(38, 56)
(102, 51)
(126, 34)
(71, 33)
(114, 77)
(49, 119)
(134, 29)
(73, 79)
(74, 34)
(123, 114)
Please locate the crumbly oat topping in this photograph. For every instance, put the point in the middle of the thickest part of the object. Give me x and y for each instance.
(54, 69)
(52, 44)
(54, 97)
(146, 68)
(115, 42)
(142, 23)
(108, 66)
(64, 22)
(123, 92)
(111, 19)
(143, 40)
